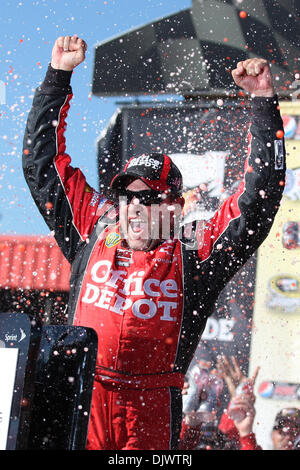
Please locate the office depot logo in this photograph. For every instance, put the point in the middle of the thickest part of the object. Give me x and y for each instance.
(109, 289)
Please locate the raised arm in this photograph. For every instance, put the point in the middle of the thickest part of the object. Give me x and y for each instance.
(68, 204)
(245, 218)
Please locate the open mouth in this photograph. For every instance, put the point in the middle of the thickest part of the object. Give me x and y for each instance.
(137, 225)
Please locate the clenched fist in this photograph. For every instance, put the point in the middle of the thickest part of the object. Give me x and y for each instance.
(255, 77)
(68, 52)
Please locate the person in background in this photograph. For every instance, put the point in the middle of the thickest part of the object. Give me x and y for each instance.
(285, 433)
(286, 430)
(201, 402)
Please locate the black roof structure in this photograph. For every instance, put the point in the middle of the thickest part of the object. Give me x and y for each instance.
(192, 52)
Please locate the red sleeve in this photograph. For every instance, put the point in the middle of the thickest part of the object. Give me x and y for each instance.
(249, 442)
(227, 426)
(189, 437)
(84, 201)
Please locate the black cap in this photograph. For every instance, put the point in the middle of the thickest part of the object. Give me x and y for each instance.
(157, 170)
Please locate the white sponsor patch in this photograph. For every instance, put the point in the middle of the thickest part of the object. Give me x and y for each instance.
(279, 154)
(146, 161)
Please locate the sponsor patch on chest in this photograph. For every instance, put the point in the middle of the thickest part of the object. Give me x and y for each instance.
(112, 239)
(117, 290)
(123, 257)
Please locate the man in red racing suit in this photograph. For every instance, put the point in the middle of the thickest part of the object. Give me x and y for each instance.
(147, 303)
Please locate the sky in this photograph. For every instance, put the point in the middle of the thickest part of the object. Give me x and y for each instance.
(28, 31)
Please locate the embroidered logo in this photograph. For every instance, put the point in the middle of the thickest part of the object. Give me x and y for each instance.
(146, 161)
(123, 257)
(279, 154)
(112, 239)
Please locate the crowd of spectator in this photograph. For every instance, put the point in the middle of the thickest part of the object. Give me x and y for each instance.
(233, 430)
